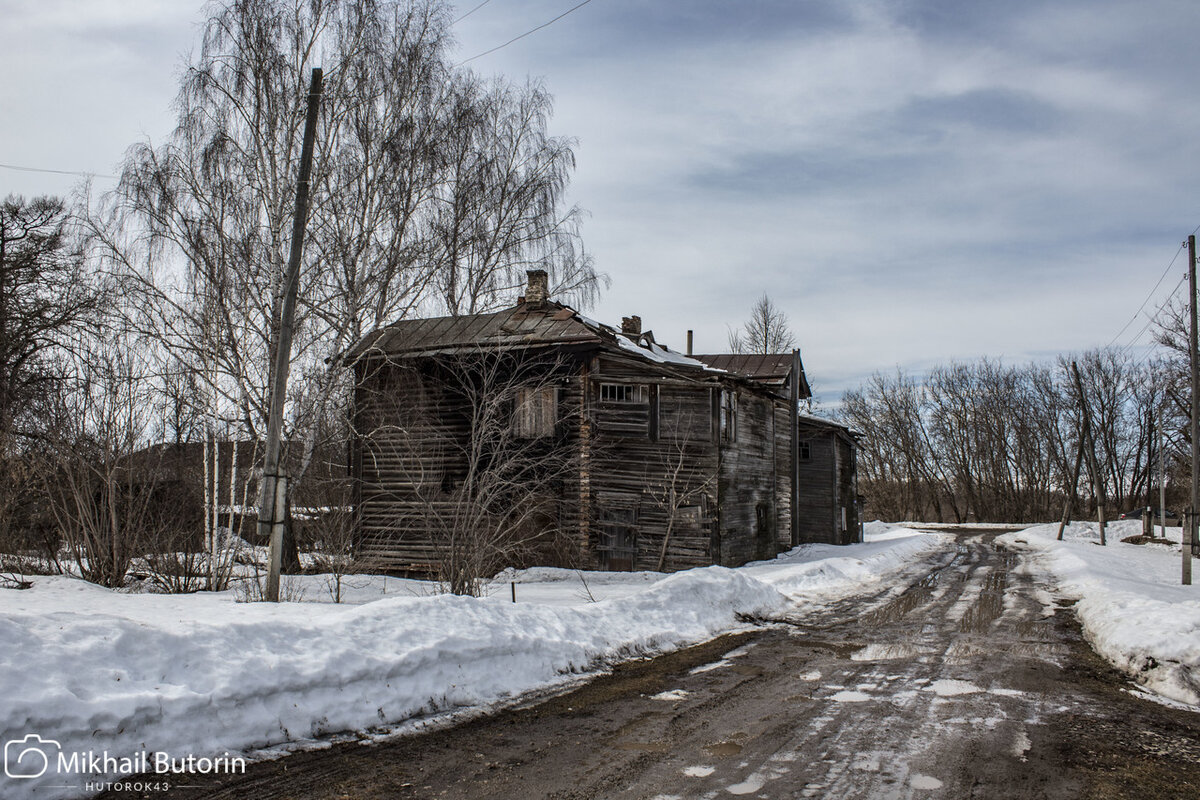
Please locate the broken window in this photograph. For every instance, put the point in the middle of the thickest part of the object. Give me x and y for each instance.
(536, 412)
(728, 416)
(622, 393)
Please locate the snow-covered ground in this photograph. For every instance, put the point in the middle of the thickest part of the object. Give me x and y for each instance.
(99, 672)
(1132, 606)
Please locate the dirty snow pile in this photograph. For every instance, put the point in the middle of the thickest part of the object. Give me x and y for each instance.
(1133, 608)
(98, 671)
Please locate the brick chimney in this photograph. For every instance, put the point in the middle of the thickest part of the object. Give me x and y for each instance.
(631, 326)
(538, 290)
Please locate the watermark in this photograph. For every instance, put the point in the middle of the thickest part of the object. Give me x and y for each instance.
(35, 757)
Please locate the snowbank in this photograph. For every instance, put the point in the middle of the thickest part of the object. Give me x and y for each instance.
(101, 671)
(1132, 607)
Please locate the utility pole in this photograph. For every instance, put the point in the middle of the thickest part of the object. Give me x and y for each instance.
(1148, 517)
(1072, 494)
(794, 397)
(1162, 483)
(1093, 468)
(1192, 352)
(272, 513)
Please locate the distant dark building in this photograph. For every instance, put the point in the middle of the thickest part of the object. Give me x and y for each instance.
(625, 454)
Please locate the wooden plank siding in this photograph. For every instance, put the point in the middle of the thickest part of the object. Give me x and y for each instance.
(827, 487)
(748, 514)
(415, 435)
(635, 455)
(628, 428)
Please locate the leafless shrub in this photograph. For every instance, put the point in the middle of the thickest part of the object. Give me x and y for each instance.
(100, 497)
(471, 450)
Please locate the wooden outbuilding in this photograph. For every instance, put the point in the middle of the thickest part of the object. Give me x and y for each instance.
(535, 435)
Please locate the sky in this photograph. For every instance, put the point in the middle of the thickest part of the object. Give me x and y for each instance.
(911, 182)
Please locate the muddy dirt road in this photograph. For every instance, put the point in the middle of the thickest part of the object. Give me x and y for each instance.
(969, 683)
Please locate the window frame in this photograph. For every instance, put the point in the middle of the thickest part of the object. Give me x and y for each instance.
(535, 411)
(623, 394)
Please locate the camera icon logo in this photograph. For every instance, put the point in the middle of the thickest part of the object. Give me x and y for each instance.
(29, 757)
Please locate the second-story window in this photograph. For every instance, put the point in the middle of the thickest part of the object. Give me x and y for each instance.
(728, 416)
(622, 393)
(536, 412)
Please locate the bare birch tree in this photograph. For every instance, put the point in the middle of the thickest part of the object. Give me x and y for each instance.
(766, 331)
(429, 191)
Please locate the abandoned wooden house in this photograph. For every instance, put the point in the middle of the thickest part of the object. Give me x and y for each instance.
(540, 436)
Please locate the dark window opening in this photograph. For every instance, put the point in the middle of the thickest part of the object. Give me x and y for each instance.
(728, 416)
(622, 393)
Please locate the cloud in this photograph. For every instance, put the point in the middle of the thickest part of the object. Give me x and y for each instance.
(911, 180)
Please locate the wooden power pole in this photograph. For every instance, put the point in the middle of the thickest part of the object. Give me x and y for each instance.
(794, 398)
(272, 513)
(1190, 523)
(1074, 488)
(1093, 468)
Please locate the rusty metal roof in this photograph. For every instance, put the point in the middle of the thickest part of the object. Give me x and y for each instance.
(522, 325)
(772, 369)
(550, 323)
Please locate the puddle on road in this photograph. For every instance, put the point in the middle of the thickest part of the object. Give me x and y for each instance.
(978, 618)
(949, 687)
(963, 652)
(915, 596)
(885, 652)
(723, 749)
(699, 771)
(850, 696)
(924, 782)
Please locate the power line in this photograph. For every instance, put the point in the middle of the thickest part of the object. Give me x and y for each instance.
(472, 11)
(526, 33)
(58, 171)
(1161, 278)
(1153, 318)
(570, 10)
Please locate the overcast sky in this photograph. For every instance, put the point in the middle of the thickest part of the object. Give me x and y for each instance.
(911, 182)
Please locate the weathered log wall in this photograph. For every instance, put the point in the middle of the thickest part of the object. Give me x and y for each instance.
(653, 465)
(651, 461)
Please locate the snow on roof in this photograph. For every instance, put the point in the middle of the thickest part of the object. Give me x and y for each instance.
(660, 354)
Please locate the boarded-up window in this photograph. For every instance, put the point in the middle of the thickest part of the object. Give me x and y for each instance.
(536, 412)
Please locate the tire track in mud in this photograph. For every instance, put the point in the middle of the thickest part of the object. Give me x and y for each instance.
(965, 682)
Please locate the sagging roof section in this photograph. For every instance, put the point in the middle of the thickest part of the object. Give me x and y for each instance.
(773, 369)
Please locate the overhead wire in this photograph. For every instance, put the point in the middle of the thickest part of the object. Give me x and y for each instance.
(1153, 318)
(529, 32)
(472, 11)
(59, 171)
(1161, 278)
(526, 33)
